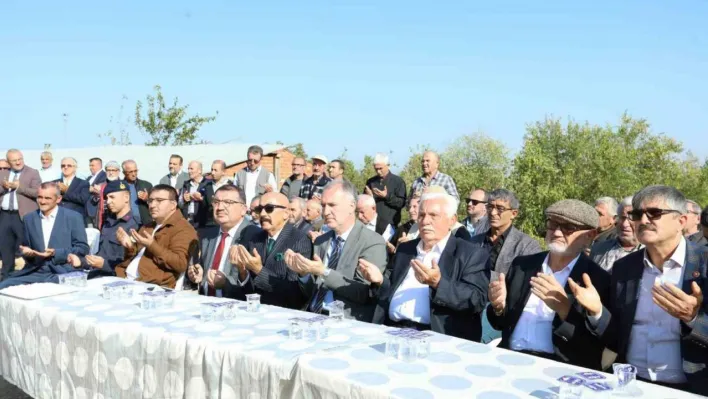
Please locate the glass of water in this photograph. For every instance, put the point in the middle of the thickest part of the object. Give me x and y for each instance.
(336, 310)
(253, 303)
(323, 331)
(570, 390)
(295, 331)
(422, 348)
(625, 374)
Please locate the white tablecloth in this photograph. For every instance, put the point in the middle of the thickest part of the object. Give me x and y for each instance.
(82, 346)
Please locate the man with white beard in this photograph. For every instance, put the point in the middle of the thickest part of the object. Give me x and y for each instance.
(531, 305)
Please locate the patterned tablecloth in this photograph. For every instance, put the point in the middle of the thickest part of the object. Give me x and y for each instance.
(82, 346)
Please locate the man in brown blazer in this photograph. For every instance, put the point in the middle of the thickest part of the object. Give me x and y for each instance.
(18, 195)
(159, 253)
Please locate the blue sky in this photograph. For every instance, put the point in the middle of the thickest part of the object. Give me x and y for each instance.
(368, 75)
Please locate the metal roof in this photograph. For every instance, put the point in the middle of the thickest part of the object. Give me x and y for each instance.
(152, 160)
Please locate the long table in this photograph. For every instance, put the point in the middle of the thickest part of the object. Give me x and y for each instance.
(80, 345)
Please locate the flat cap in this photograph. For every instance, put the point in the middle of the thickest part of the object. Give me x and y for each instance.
(704, 217)
(114, 187)
(574, 211)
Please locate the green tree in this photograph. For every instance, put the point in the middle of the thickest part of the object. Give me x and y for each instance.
(168, 125)
(476, 160)
(586, 161)
(298, 149)
(121, 135)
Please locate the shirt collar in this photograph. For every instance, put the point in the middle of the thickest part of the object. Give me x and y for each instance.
(52, 214)
(373, 221)
(546, 268)
(258, 169)
(232, 231)
(439, 247)
(345, 235)
(677, 259)
(275, 237)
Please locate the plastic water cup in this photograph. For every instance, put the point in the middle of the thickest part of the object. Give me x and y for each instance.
(295, 330)
(625, 374)
(206, 312)
(311, 332)
(146, 302)
(393, 346)
(406, 350)
(568, 390)
(422, 348)
(323, 331)
(107, 291)
(229, 311)
(336, 310)
(253, 303)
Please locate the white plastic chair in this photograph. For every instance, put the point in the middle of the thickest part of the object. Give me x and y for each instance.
(94, 238)
(494, 342)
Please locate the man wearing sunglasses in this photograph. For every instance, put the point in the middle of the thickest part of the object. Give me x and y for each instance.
(74, 190)
(254, 179)
(18, 197)
(655, 317)
(261, 260)
(531, 303)
(476, 221)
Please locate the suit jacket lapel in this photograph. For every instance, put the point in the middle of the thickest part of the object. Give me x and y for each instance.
(692, 267)
(37, 224)
(279, 243)
(57, 226)
(525, 288)
(508, 246)
(347, 255)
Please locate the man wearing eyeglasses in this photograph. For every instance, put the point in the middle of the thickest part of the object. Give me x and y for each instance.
(476, 221)
(254, 179)
(655, 317)
(261, 260)
(531, 303)
(18, 195)
(214, 268)
(291, 186)
(160, 251)
(606, 253)
(693, 231)
(74, 190)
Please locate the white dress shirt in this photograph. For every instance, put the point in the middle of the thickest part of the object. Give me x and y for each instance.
(49, 174)
(173, 179)
(193, 187)
(655, 339)
(67, 180)
(131, 272)
(249, 186)
(48, 225)
(534, 330)
(224, 255)
(6, 196)
(329, 296)
(388, 232)
(221, 183)
(411, 301)
(92, 178)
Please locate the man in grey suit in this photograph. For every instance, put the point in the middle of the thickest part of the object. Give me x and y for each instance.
(176, 177)
(18, 194)
(229, 211)
(503, 241)
(332, 273)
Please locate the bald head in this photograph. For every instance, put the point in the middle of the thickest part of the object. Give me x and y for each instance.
(365, 208)
(274, 212)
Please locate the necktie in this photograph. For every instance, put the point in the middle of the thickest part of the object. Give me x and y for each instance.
(269, 246)
(11, 207)
(318, 301)
(217, 259)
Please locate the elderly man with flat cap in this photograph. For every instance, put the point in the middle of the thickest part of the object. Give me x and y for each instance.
(533, 305)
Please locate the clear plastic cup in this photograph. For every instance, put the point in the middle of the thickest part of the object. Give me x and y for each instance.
(311, 331)
(295, 331)
(569, 390)
(625, 375)
(253, 303)
(147, 301)
(393, 345)
(336, 310)
(107, 292)
(229, 311)
(422, 348)
(323, 331)
(207, 312)
(407, 350)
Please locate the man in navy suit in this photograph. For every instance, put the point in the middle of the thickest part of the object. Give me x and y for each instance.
(98, 176)
(74, 191)
(655, 316)
(54, 236)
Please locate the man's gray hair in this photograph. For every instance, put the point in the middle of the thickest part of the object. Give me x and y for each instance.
(626, 201)
(674, 199)
(502, 194)
(693, 204)
(366, 199)
(346, 186)
(128, 161)
(70, 158)
(450, 202)
(610, 203)
(381, 158)
(47, 154)
(220, 162)
(51, 185)
(301, 202)
(199, 164)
